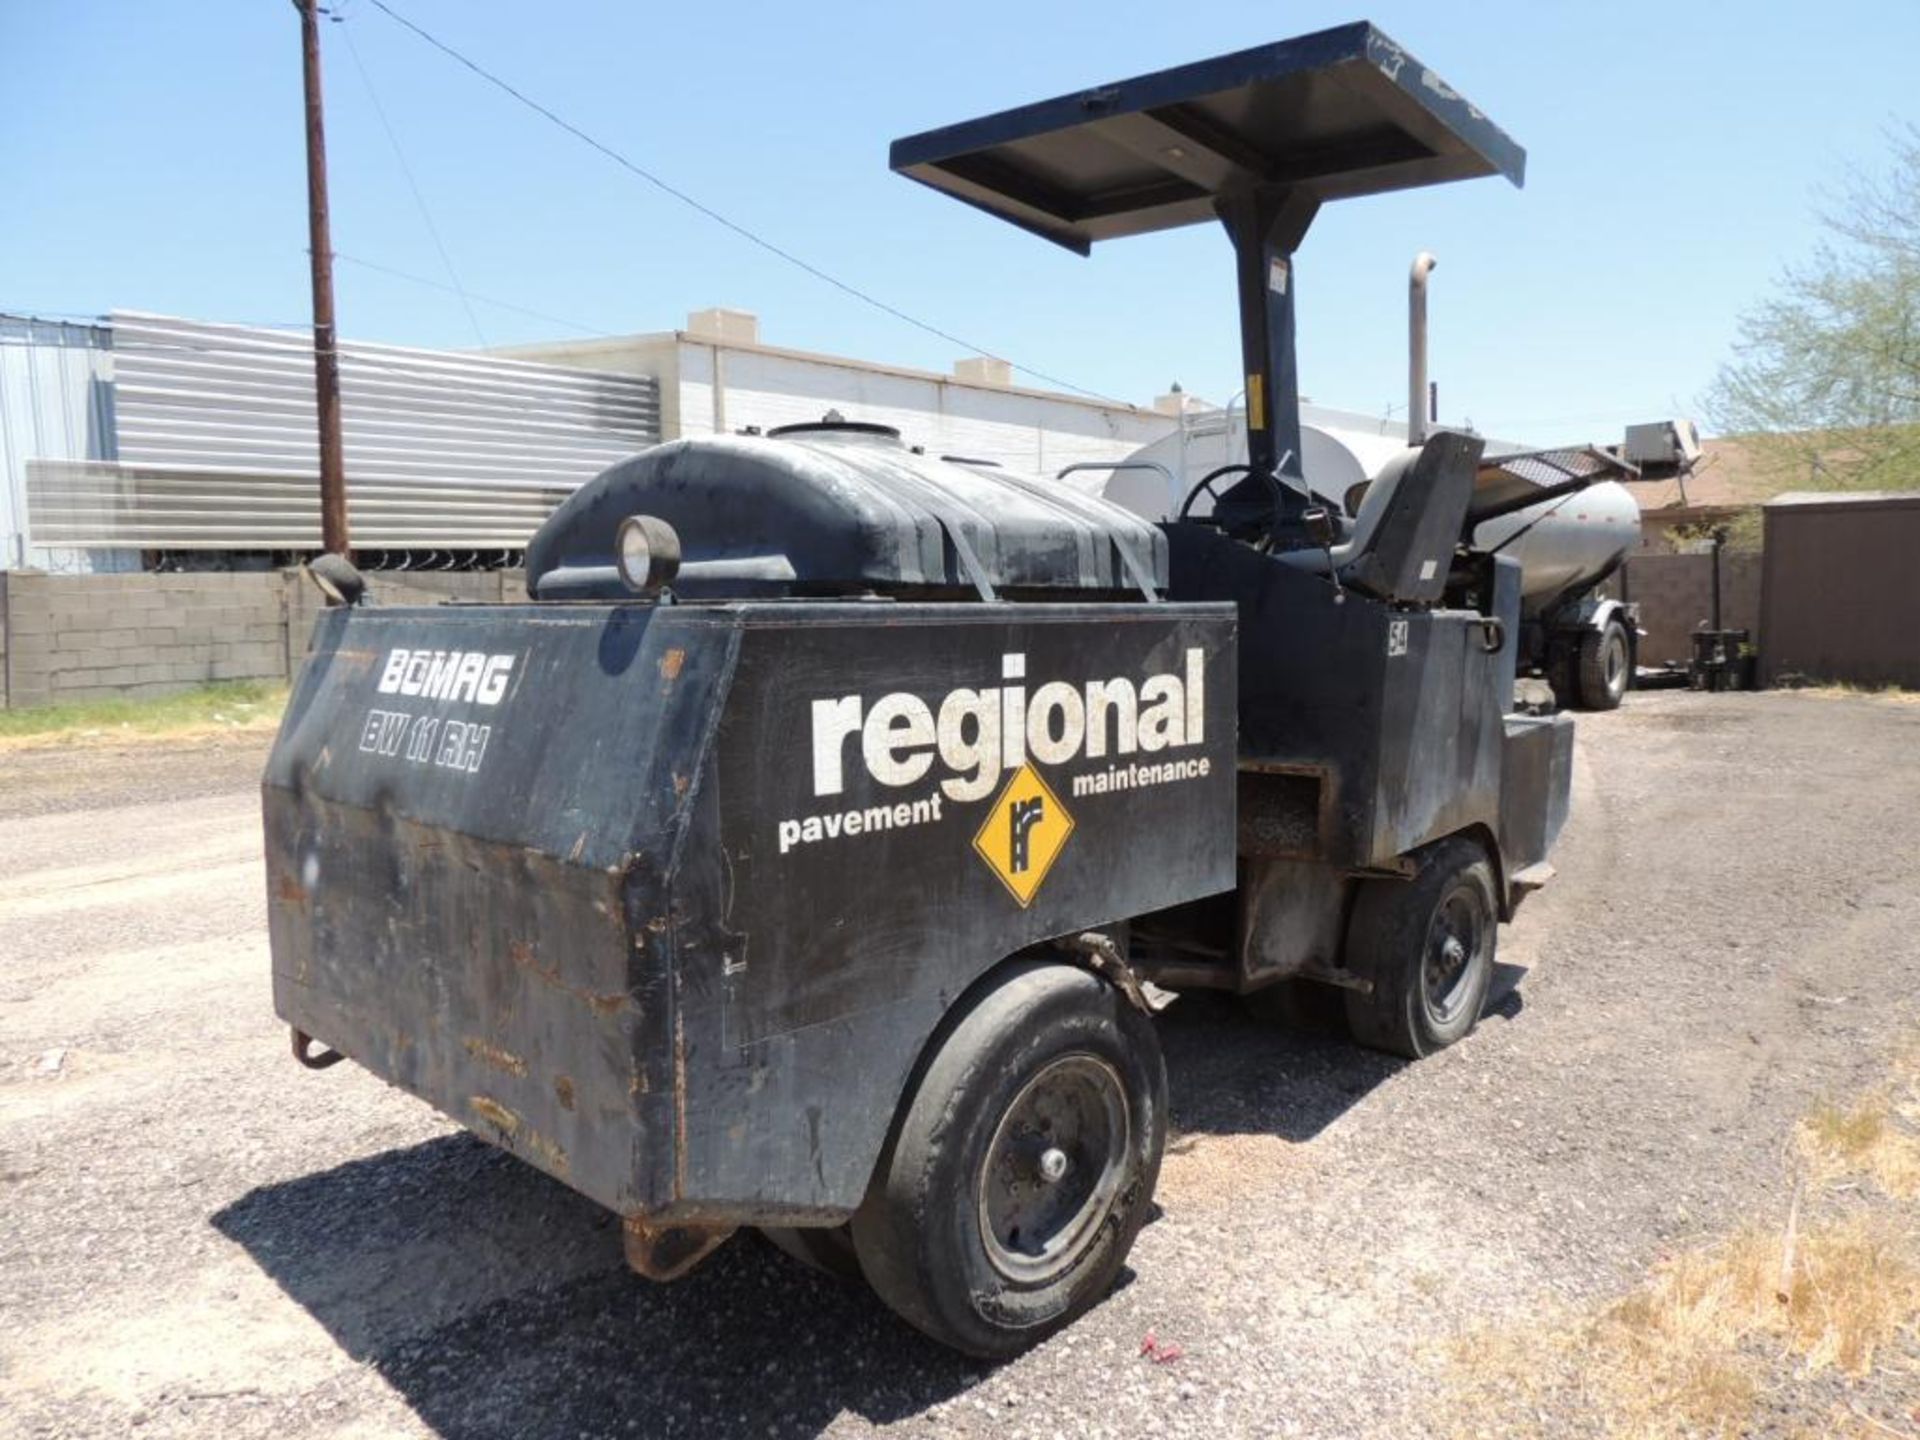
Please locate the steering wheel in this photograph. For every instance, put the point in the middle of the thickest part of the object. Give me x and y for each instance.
(1205, 487)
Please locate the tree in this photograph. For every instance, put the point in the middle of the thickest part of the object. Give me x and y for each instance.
(1824, 383)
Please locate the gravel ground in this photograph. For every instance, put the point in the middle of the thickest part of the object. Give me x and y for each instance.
(68, 779)
(202, 1239)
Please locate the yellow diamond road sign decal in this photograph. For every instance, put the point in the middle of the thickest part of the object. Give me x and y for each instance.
(1024, 834)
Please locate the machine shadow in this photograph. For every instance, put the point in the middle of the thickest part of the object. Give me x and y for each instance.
(496, 1302)
(1229, 1073)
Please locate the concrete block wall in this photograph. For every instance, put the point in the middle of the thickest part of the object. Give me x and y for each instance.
(1675, 595)
(87, 637)
(80, 637)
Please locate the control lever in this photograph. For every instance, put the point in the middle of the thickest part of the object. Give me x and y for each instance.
(1321, 531)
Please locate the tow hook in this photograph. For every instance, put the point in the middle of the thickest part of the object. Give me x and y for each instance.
(303, 1052)
(1103, 957)
(666, 1252)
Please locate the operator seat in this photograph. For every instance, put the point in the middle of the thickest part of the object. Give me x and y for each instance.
(1410, 520)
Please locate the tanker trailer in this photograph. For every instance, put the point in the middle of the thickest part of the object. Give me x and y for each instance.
(1567, 516)
(1569, 520)
(1567, 542)
(814, 848)
(1572, 535)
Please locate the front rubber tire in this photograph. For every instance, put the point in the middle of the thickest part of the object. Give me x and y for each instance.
(1426, 994)
(1050, 1060)
(1604, 669)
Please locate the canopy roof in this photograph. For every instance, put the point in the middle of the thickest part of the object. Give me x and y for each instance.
(1338, 113)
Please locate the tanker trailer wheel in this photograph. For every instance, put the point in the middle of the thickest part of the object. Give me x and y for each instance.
(1022, 1165)
(1604, 670)
(1427, 944)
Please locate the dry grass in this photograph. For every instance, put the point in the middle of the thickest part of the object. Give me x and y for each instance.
(1690, 1351)
(1852, 1285)
(210, 709)
(1870, 1138)
(1693, 1349)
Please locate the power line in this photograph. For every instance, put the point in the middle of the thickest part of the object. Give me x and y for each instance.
(472, 295)
(714, 215)
(419, 199)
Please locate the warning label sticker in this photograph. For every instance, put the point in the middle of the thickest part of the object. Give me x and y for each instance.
(1023, 834)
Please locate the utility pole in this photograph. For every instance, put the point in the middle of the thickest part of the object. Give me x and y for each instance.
(326, 355)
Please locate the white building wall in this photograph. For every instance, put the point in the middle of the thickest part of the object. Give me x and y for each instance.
(693, 367)
(718, 378)
(726, 388)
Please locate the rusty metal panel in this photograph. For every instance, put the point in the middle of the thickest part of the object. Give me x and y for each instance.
(667, 899)
(471, 814)
(1841, 596)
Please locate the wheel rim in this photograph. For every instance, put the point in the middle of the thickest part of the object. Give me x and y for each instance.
(1455, 939)
(1616, 660)
(1054, 1168)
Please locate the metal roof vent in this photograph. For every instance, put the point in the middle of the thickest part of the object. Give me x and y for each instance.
(983, 370)
(729, 327)
(836, 428)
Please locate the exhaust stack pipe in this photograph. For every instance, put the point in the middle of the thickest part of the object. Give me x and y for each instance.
(1423, 264)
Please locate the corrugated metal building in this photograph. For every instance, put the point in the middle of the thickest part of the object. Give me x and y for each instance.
(146, 435)
(56, 407)
(150, 434)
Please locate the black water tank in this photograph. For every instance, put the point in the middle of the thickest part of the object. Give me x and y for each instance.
(837, 508)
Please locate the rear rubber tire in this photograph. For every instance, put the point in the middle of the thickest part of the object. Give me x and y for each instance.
(1427, 993)
(1604, 670)
(1051, 1060)
(828, 1250)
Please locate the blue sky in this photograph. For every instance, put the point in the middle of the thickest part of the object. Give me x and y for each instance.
(151, 156)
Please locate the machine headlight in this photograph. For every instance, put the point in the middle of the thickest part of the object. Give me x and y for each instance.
(336, 578)
(647, 553)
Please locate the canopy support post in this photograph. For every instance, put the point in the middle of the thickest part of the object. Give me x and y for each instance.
(1266, 224)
